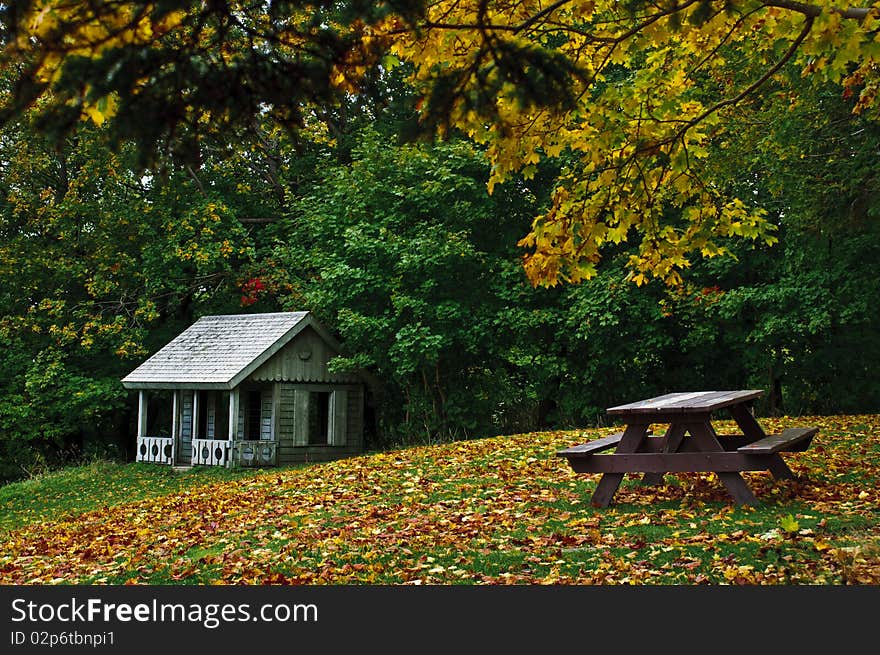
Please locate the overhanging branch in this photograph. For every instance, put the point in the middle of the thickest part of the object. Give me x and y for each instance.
(813, 11)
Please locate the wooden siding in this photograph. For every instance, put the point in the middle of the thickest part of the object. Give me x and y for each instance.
(293, 423)
(286, 428)
(300, 416)
(355, 418)
(304, 359)
(316, 454)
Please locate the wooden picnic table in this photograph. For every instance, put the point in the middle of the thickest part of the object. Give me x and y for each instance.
(689, 443)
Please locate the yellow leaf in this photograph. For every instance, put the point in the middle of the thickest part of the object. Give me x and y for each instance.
(789, 524)
(102, 110)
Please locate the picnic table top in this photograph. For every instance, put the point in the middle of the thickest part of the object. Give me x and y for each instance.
(696, 402)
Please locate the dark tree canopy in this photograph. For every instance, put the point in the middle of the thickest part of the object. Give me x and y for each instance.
(165, 73)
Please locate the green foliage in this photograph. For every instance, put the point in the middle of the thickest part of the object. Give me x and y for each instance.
(800, 315)
(618, 343)
(100, 264)
(403, 252)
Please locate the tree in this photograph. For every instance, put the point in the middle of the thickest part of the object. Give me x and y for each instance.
(192, 67)
(99, 266)
(408, 258)
(649, 87)
(629, 95)
(800, 315)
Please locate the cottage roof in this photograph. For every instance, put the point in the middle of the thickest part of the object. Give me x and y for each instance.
(218, 352)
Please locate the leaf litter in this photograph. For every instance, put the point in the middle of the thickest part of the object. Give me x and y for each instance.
(501, 510)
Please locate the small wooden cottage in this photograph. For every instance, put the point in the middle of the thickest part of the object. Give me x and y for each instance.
(248, 390)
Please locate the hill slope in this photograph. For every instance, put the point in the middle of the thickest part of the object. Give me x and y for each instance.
(491, 511)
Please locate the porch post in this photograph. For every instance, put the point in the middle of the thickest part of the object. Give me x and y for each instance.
(142, 414)
(233, 415)
(233, 425)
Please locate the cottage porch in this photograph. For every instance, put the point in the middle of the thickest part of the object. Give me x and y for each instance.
(211, 428)
(242, 427)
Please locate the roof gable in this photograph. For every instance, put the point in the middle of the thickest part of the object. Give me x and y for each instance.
(220, 351)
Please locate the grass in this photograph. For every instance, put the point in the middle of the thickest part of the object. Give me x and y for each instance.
(490, 511)
(72, 491)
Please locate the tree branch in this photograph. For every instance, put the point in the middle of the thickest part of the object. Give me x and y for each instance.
(813, 11)
(192, 174)
(754, 86)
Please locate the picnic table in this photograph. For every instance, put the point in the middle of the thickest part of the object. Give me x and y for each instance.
(689, 444)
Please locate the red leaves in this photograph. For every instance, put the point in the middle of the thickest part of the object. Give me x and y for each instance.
(492, 511)
(251, 291)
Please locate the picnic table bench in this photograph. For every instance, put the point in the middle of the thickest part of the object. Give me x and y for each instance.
(690, 443)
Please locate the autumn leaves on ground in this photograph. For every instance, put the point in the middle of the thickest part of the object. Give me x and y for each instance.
(504, 510)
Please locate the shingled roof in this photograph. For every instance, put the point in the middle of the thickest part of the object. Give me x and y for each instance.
(218, 352)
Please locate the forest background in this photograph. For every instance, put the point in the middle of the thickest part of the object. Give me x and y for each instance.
(393, 239)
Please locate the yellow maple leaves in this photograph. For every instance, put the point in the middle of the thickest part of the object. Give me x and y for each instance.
(653, 85)
(57, 30)
(102, 109)
(648, 86)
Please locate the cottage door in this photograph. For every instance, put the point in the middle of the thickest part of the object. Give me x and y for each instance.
(258, 415)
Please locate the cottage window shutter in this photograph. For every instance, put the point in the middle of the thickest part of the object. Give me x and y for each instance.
(211, 413)
(300, 417)
(266, 401)
(338, 415)
(239, 418)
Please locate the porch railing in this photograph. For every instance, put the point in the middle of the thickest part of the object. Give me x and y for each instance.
(154, 449)
(210, 452)
(255, 453)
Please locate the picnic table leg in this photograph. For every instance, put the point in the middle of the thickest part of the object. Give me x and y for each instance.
(753, 431)
(607, 487)
(706, 440)
(747, 423)
(671, 441)
(780, 469)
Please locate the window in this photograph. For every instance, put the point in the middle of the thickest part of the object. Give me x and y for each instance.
(319, 418)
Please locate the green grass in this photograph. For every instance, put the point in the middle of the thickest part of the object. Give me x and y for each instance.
(75, 490)
(490, 511)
